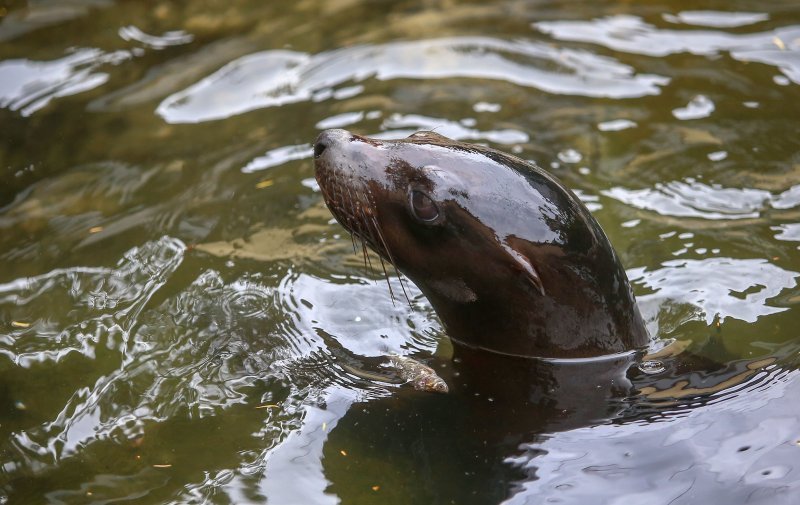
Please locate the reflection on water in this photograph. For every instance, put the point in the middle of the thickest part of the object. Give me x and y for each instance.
(695, 199)
(30, 85)
(182, 321)
(275, 78)
(718, 287)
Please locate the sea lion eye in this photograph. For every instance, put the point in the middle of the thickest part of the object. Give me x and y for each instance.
(423, 207)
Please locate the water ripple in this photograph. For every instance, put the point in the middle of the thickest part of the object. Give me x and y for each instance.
(694, 199)
(657, 461)
(278, 77)
(361, 314)
(716, 19)
(395, 126)
(698, 107)
(789, 232)
(631, 34)
(724, 287)
(204, 348)
(278, 156)
(173, 38)
(92, 304)
(27, 86)
(202, 355)
(38, 15)
(401, 125)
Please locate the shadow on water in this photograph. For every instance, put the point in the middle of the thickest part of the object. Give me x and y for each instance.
(522, 432)
(170, 279)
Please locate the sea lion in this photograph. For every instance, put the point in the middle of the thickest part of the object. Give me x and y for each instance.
(510, 259)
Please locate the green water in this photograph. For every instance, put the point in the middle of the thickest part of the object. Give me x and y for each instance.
(174, 294)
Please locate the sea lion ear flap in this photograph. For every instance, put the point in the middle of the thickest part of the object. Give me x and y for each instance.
(526, 268)
(429, 135)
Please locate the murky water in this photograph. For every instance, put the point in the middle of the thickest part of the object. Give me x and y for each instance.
(179, 314)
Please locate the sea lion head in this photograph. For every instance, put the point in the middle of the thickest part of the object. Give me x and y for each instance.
(510, 259)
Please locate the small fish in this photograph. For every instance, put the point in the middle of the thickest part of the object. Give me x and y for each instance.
(422, 377)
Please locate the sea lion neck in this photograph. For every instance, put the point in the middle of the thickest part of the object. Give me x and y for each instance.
(510, 259)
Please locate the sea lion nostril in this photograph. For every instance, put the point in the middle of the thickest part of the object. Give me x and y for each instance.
(319, 148)
(331, 138)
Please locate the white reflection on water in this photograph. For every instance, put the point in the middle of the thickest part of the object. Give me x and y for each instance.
(658, 457)
(168, 39)
(341, 120)
(727, 287)
(694, 199)
(198, 353)
(278, 156)
(402, 125)
(397, 126)
(293, 472)
(698, 107)
(277, 77)
(716, 19)
(631, 34)
(616, 125)
(27, 86)
(788, 199)
(79, 323)
(691, 198)
(789, 232)
(361, 315)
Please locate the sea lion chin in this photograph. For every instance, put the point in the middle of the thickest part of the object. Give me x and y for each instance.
(510, 259)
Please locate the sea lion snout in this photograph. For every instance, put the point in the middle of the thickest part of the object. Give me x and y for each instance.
(329, 138)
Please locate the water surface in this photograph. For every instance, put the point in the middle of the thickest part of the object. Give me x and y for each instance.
(179, 311)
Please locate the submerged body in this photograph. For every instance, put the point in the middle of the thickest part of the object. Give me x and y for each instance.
(510, 259)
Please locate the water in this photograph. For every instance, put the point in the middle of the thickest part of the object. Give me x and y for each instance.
(176, 302)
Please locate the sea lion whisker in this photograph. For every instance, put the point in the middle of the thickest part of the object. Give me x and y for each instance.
(360, 228)
(374, 235)
(353, 240)
(377, 227)
(355, 228)
(348, 206)
(365, 238)
(386, 276)
(358, 232)
(367, 261)
(402, 286)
